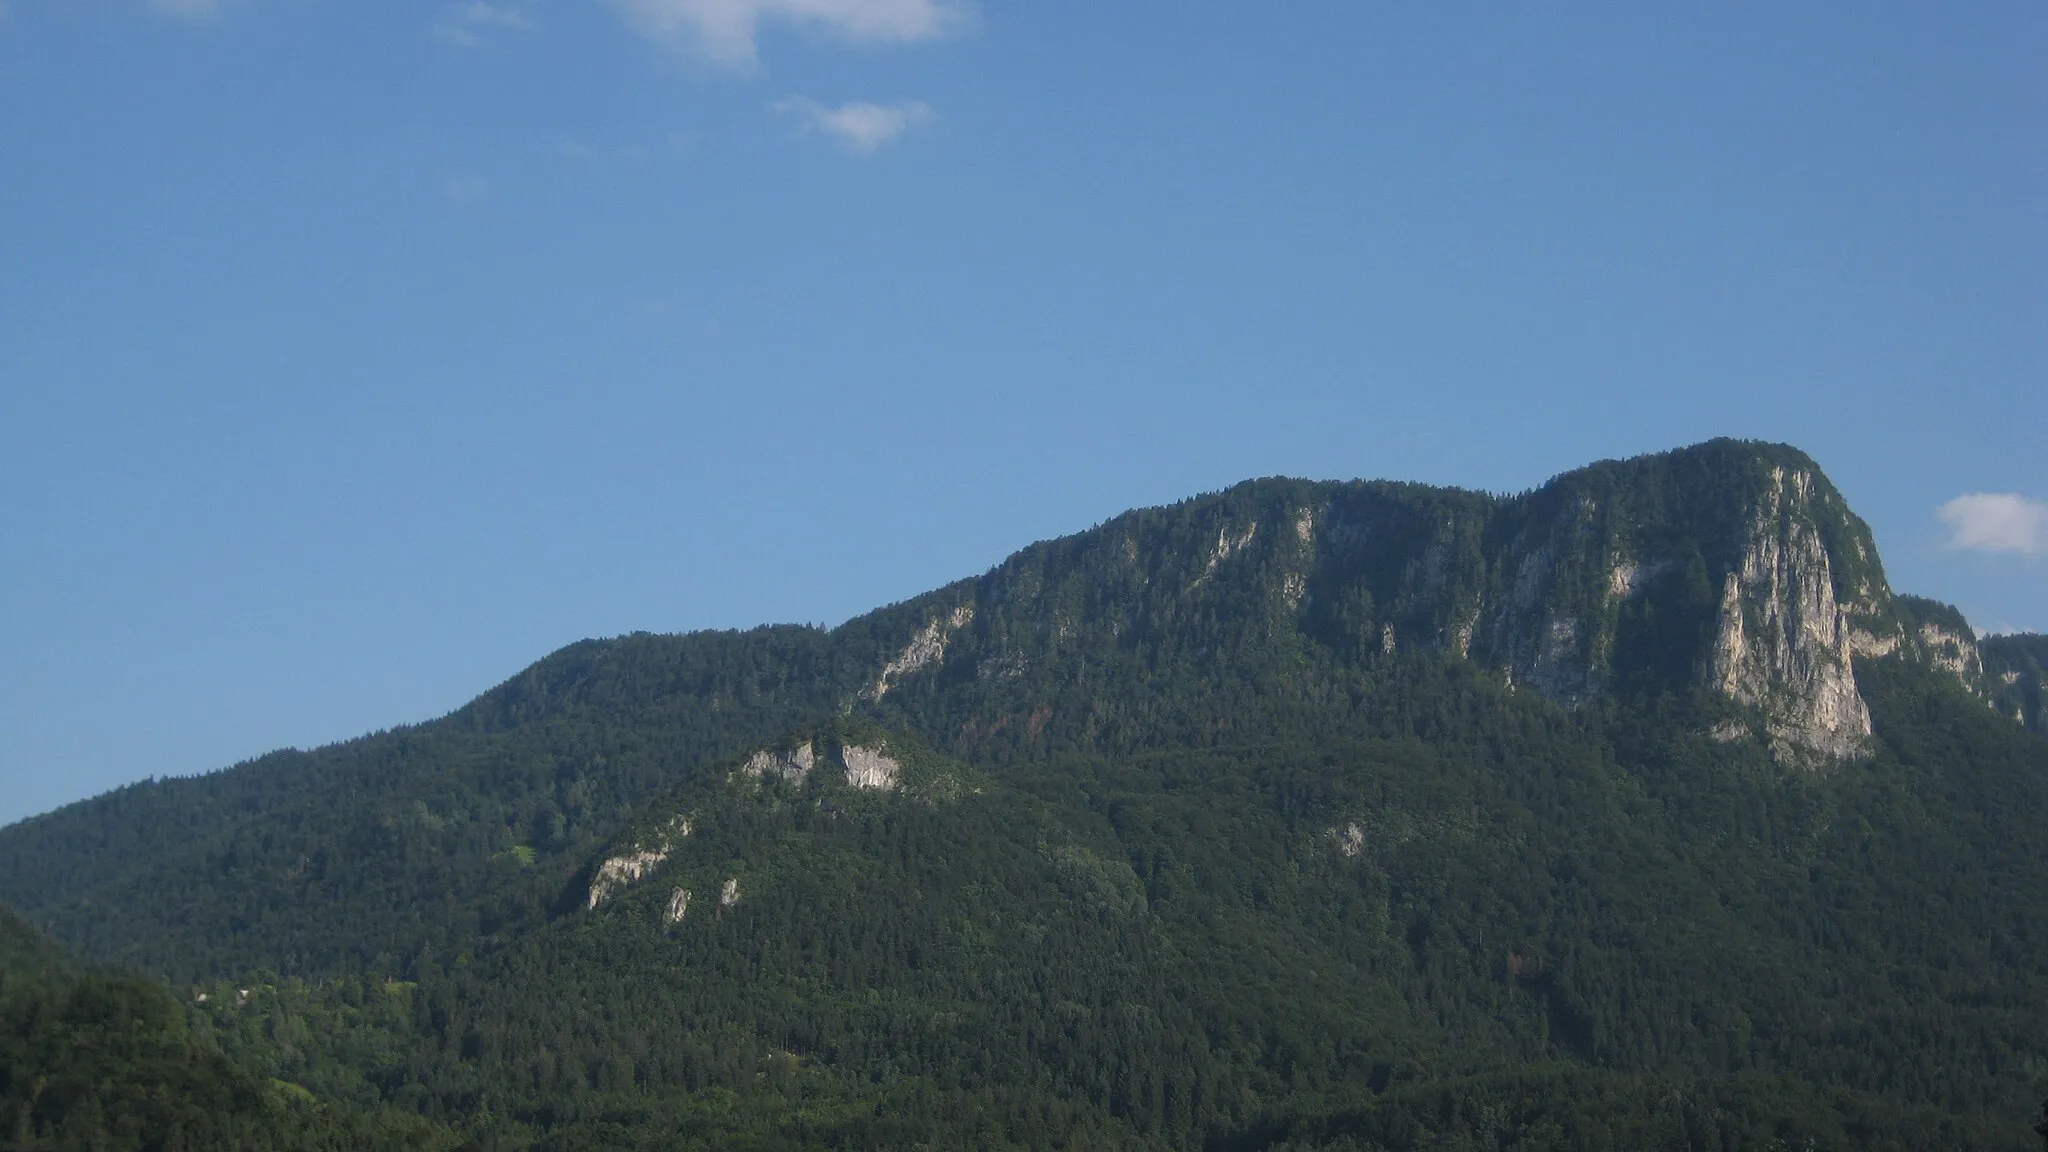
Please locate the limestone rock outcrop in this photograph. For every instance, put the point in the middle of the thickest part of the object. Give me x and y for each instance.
(870, 768)
(790, 765)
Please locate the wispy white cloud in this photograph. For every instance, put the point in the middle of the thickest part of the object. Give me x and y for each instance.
(1997, 522)
(725, 30)
(859, 126)
(188, 9)
(466, 25)
(465, 187)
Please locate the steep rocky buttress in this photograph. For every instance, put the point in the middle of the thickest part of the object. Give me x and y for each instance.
(1731, 566)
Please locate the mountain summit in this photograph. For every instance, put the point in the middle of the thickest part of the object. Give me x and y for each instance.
(1733, 567)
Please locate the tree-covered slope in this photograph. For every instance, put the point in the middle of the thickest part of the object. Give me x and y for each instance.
(109, 1063)
(375, 854)
(1457, 914)
(26, 955)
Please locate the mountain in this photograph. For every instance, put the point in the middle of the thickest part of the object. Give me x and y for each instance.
(1296, 815)
(1731, 568)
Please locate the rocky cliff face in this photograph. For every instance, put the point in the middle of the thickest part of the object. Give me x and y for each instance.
(786, 764)
(637, 863)
(1731, 567)
(1782, 642)
(2007, 672)
(1743, 573)
(870, 768)
(2016, 673)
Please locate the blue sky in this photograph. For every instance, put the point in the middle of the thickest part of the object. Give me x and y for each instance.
(353, 356)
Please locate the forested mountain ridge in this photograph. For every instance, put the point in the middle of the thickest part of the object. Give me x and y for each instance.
(1731, 566)
(1296, 815)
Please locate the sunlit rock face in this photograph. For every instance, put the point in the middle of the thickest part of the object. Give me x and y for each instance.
(619, 871)
(1954, 652)
(925, 649)
(1782, 644)
(1731, 568)
(1350, 839)
(1751, 552)
(626, 868)
(870, 768)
